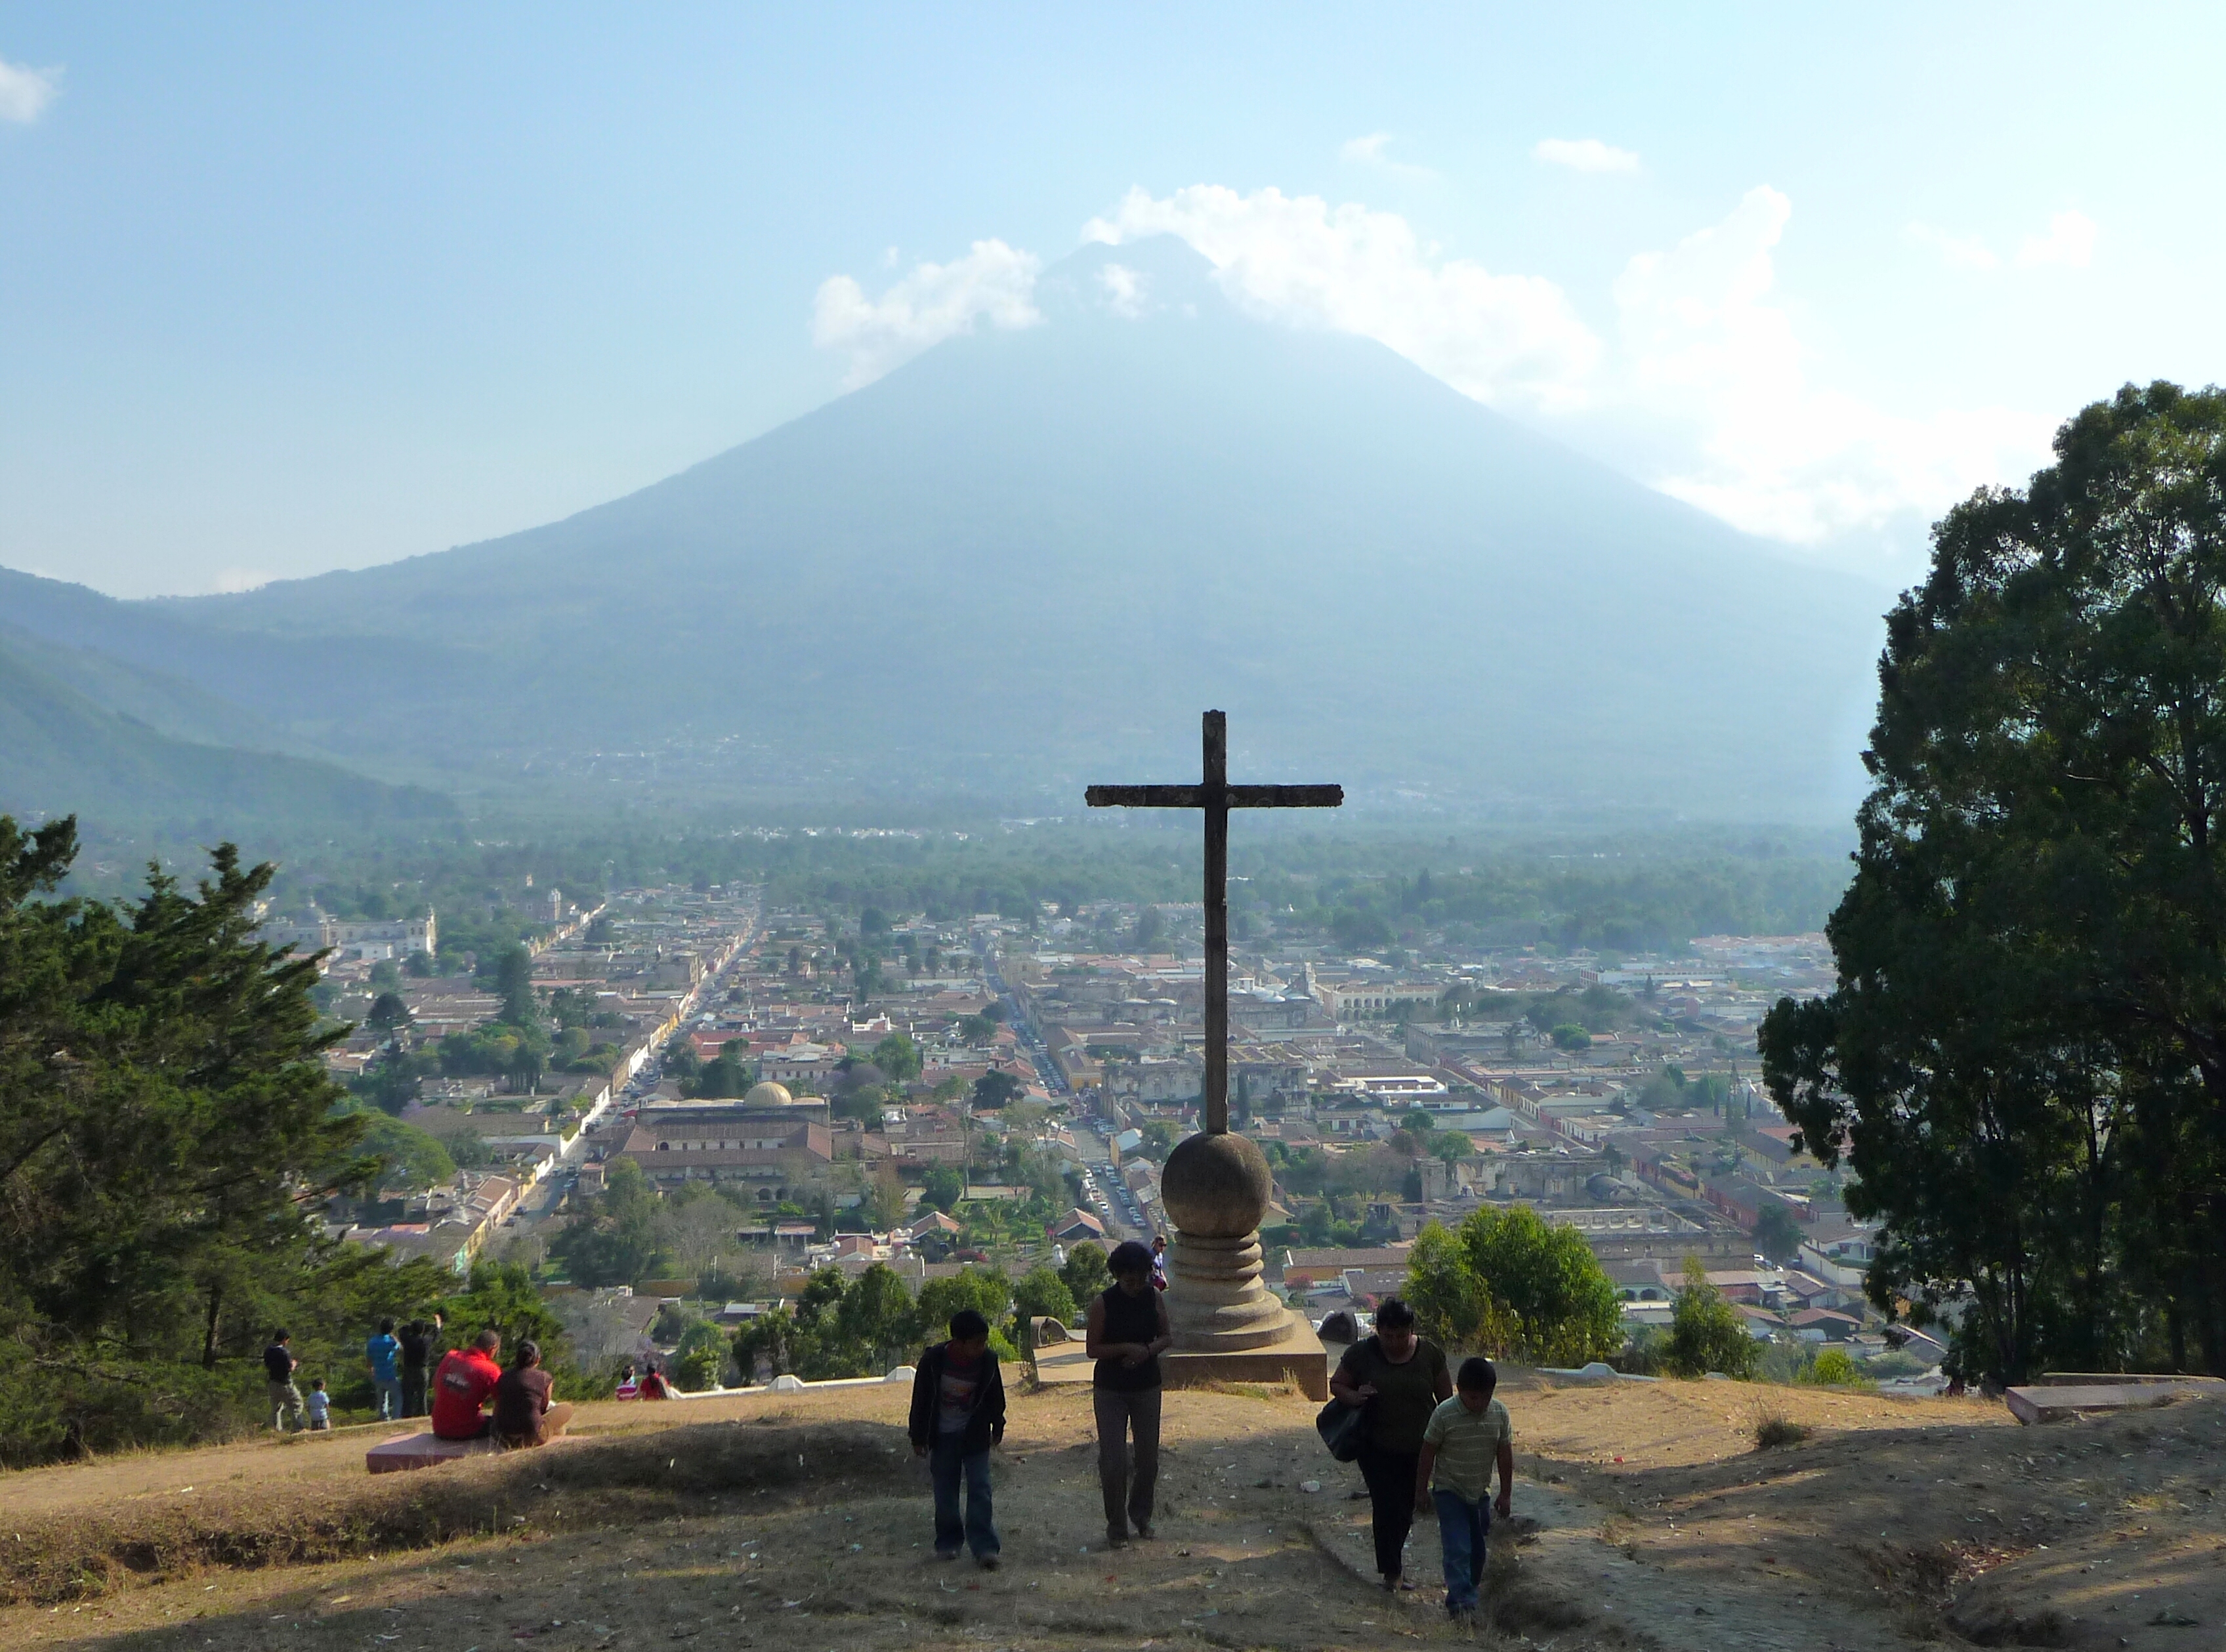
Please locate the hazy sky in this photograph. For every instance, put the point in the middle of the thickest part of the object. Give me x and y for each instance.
(289, 289)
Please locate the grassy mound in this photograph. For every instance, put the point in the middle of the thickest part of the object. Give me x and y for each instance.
(576, 1486)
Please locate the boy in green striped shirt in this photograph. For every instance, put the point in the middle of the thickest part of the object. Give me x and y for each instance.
(1465, 1437)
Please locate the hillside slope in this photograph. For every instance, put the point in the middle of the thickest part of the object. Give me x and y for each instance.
(61, 752)
(1644, 1518)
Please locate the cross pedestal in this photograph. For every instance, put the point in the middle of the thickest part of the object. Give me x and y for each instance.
(1216, 1186)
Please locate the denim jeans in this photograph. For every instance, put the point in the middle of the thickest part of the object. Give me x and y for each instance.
(948, 1461)
(389, 1397)
(1463, 1528)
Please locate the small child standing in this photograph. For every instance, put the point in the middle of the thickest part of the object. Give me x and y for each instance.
(958, 1413)
(1465, 1437)
(319, 1406)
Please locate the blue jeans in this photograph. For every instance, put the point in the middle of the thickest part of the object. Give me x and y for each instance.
(389, 1397)
(1463, 1528)
(947, 1461)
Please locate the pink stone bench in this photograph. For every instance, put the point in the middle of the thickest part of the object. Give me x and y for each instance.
(423, 1451)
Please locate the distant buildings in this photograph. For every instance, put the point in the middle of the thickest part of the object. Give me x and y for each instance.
(773, 1154)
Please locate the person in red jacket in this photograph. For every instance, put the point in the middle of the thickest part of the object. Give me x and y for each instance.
(463, 1383)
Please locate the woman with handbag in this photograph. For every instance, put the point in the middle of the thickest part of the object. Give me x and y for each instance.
(1401, 1378)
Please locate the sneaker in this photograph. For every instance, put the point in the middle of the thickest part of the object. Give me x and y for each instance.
(987, 1562)
(1117, 1540)
(949, 1555)
(1144, 1530)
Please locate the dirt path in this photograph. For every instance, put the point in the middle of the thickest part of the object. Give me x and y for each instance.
(1892, 1518)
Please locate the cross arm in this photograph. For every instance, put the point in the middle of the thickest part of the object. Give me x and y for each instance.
(1286, 797)
(1146, 796)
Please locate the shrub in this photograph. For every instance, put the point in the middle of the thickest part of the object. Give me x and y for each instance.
(701, 1359)
(1706, 1333)
(1835, 1369)
(1042, 1292)
(1085, 1274)
(1506, 1281)
(1774, 1429)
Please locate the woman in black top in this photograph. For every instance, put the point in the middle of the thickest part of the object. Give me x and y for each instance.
(1127, 1330)
(526, 1410)
(1401, 1378)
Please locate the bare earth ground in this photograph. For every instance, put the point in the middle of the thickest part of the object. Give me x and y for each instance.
(801, 1521)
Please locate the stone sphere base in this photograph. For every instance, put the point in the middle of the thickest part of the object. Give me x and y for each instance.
(1215, 1297)
(1217, 1186)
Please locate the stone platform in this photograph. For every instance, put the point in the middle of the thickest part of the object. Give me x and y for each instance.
(2055, 1399)
(1299, 1357)
(423, 1451)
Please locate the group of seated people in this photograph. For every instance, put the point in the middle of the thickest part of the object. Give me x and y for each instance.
(474, 1398)
(525, 1408)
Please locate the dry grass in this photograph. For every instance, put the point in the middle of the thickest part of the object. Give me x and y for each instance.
(1774, 1429)
(1646, 1517)
(1285, 1390)
(579, 1485)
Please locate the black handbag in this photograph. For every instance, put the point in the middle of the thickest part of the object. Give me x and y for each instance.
(1343, 1428)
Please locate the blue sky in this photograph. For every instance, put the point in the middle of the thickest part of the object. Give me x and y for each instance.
(290, 288)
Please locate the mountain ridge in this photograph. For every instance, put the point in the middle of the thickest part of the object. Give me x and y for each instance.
(63, 753)
(1027, 555)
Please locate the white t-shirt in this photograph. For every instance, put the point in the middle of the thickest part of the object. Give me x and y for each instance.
(954, 1402)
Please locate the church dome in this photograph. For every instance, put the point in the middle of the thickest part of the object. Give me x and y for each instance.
(768, 1095)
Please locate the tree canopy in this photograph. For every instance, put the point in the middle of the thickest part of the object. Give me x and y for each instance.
(1506, 1282)
(1706, 1333)
(169, 1138)
(2025, 1058)
(994, 1089)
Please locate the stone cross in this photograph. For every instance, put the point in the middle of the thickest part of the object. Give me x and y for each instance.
(1215, 797)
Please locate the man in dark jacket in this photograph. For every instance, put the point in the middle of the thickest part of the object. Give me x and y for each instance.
(958, 1413)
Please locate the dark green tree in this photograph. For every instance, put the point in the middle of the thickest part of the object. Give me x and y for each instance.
(898, 1057)
(617, 1244)
(167, 1133)
(1706, 1333)
(1777, 1234)
(2025, 1058)
(728, 1074)
(943, 1187)
(408, 1157)
(513, 983)
(1042, 1292)
(986, 1290)
(1086, 1273)
(500, 1297)
(994, 1089)
(1506, 1281)
(700, 1358)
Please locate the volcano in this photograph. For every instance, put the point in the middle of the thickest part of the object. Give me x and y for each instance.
(1028, 558)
